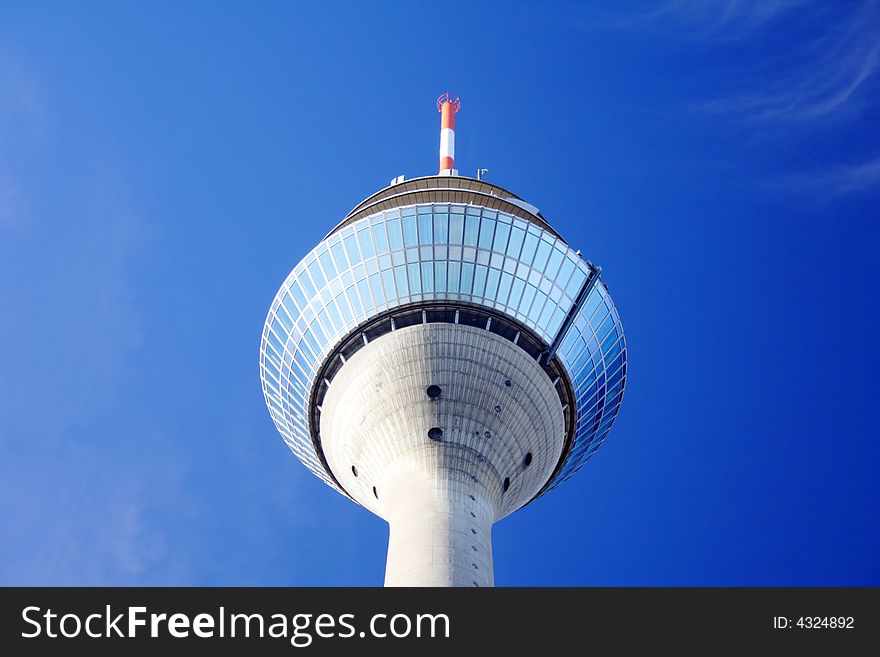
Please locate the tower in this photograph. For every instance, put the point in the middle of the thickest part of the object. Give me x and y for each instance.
(443, 357)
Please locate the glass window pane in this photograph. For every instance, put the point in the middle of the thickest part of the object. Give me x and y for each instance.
(400, 281)
(395, 239)
(467, 277)
(344, 309)
(516, 291)
(388, 282)
(410, 233)
(541, 256)
(564, 273)
(415, 278)
(351, 248)
(553, 264)
(380, 238)
(528, 250)
(327, 264)
(487, 233)
(441, 228)
(297, 294)
(527, 298)
(456, 228)
(480, 280)
(575, 283)
(366, 297)
(428, 276)
(471, 229)
(440, 276)
(502, 231)
(426, 235)
(317, 276)
(492, 282)
(516, 240)
(376, 287)
(366, 243)
(454, 275)
(339, 256)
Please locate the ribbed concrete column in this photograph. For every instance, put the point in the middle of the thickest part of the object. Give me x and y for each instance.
(440, 525)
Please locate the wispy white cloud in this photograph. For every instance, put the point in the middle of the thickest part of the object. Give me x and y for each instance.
(827, 77)
(822, 80)
(724, 20)
(837, 180)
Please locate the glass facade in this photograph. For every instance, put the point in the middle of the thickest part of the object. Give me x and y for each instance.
(449, 252)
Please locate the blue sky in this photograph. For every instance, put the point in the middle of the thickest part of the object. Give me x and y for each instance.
(164, 165)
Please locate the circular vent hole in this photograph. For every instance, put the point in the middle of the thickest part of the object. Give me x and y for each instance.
(488, 434)
(354, 471)
(498, 409)
(433, 391)
(506, 483)
(435, 433)
(507, 383)
(527, 461)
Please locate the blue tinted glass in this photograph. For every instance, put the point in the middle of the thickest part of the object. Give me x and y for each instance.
(289, 306)
(425, 229)
(376, 287)
(592, 302)
(467, 277)
(351, 248)
(564, 273)
(334, 315)
(487, 233)
(504, 288)
(366, 297)
(379, 237)
(492, 282)
(516, 291)
(339, 256)
(528, 250)
(428, 276)
(544, 319)
(502, 231)
(366, 243)
(440, 275)
(388, 283)
(297, 294)
(471, 229)
(344, 308)
(553, 264)
(527, 298)
(516, 240)
(441, 228)
(400, 281)
(317, 276)
(575, 283)
(415, 278)
(454, 275)
(410, 233)
(327, 264)
(354, 301)
(480, 280)
(456, 228)
(395, 238)
(541, 256)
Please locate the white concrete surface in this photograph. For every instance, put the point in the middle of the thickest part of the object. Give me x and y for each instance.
(441, 498)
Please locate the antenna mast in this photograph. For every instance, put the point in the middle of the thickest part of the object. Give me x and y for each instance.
(447, 107)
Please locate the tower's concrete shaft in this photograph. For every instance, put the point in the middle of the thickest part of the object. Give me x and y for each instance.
(441, 465)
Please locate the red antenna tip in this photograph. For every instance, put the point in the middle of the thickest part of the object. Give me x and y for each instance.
(446, 98)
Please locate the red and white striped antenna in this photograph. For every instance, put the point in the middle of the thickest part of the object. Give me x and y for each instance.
(447, 106)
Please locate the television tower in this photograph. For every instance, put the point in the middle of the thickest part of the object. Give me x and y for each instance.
(443, 357)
